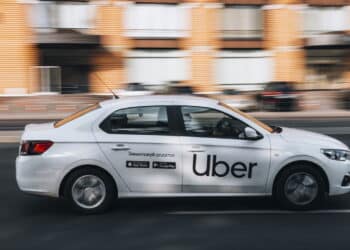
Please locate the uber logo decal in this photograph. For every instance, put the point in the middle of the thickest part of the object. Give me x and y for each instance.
(222, 168)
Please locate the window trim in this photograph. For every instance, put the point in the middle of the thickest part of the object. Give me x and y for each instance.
(76, 115)
(185, 133)
(173, 130)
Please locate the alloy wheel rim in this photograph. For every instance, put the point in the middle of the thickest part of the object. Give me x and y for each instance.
(301, 188)
(88, 191)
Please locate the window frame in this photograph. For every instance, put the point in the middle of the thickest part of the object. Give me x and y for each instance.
(257, 33)
(171, 116)
(185, 133)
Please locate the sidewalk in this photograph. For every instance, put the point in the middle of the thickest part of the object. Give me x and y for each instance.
(53, 107)
(45, 106)
(10, 136)
(314, 114)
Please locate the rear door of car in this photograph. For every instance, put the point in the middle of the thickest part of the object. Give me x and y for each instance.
(142, 145)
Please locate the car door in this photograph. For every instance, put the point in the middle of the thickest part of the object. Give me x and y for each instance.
(142, 146)
(216, 156)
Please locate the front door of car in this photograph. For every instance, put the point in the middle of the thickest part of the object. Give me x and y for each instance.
(217, 158)
(141, 145)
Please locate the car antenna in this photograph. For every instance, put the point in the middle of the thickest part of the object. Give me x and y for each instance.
(110, 90)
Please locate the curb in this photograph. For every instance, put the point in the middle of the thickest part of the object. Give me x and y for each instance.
(10, 136)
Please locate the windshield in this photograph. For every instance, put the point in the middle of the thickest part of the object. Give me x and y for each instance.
(249, 117)
(76, 115)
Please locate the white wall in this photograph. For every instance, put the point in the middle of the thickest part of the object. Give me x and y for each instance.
(244, 70)
(157, 20)
(78, 16)
(325, 19)
(157, 67)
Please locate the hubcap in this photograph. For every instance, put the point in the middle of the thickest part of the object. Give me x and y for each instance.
(88, 191)
(301, 188)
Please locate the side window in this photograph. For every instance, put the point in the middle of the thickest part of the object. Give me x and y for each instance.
(139, 120)
(206, 122)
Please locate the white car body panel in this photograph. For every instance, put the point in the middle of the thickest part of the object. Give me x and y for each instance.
(82, 142)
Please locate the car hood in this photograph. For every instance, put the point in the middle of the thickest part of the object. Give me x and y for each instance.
(306, 137)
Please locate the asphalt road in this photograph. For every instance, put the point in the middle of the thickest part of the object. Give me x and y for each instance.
(29, 222)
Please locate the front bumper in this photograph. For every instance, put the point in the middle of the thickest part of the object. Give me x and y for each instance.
(339, 177)
(34, 176)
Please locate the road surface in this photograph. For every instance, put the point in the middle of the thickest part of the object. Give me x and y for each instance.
(29, 222)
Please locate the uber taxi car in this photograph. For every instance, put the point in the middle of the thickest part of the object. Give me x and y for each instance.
(172, 146)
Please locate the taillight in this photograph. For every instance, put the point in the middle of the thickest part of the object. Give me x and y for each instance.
(35, 147)
(271, 93)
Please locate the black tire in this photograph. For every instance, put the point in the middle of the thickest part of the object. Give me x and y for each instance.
(109, 184)
(279, 191)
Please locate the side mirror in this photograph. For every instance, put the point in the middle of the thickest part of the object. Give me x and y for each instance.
(252, 134)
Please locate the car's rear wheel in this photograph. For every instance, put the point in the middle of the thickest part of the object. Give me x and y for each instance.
(300, 187)
(90, 190)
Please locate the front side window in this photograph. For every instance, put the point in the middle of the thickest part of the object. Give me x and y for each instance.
(250, 118)
(206, 122)
(151, 120)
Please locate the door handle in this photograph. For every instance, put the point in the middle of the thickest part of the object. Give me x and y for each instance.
(196, 149)
(120, 147)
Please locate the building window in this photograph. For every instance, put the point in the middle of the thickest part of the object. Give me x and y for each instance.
(49, 78)
(318, 20)
(157, 67)
(62, 15)
(242, 22)
(157, 20)
(244, 70)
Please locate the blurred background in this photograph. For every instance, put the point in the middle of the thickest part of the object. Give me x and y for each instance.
(266, 55)
(285, 61)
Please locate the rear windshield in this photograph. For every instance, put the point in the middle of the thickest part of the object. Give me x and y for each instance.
(76, 115)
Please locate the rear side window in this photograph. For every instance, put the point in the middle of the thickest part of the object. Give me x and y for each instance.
(151, 120)
(76, 115)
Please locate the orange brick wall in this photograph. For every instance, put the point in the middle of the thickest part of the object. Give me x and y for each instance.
(109, 65)
(202, 42)
(17, 48)
(19, 53)
(283, 37)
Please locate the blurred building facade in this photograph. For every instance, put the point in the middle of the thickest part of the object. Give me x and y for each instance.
(71, 46)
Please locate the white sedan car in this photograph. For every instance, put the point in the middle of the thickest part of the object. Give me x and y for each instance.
(177, 146)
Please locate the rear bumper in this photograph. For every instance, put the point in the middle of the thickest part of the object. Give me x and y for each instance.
(35, 177)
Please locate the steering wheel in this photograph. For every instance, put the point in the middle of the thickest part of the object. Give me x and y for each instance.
(225, 128)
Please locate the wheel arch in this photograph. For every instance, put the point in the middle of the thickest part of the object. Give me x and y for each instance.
(77, 168)
(305, 162)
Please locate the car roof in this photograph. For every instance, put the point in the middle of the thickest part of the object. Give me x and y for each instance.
(160, 99)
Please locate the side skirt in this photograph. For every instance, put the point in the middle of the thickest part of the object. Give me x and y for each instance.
(174, 195)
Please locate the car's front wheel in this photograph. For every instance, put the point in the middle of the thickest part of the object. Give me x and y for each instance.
(300, 187)
(90, 190)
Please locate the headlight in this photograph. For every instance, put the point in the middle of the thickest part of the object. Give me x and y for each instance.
(336, 154)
